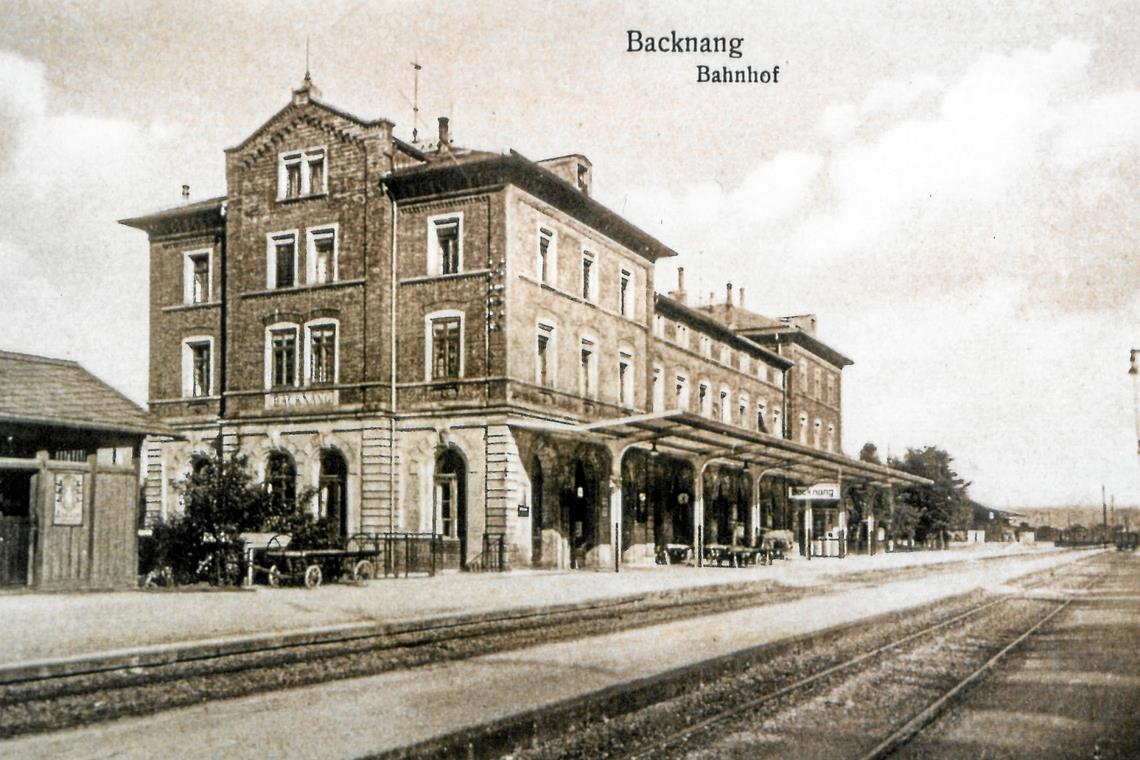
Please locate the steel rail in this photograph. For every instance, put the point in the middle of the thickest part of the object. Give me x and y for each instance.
(915, 725)
(677, 737)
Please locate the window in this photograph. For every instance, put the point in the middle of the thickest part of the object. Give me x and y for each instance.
(725, 355)
(282, 350)
(745, 363)
(831, 395)
(682, 335)
(588, 275)
(818, 383)
(817, 428)
(445, 346)
(445, 244)
(625, 304)
(804, 429)
(625, 378)
(777, 423)
(659, 326)
(658, 391)
(681, 392)
(544, 266)
(197, 366)
(586, 369)
(761, 416)
(322, 367)
(742, 411)
(281, 478)
(542, 364)
(704, 400)
(445, 492)
(725, 406)
(706, 346)
(322, 255)
(301, 173)
(196, 277)
(281, 267)
(831, 438)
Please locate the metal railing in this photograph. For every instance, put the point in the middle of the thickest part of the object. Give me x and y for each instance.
(494, 557)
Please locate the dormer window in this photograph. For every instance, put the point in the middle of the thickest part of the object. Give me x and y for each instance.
(301, 173)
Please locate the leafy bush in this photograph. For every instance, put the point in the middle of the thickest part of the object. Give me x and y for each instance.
(220, 502)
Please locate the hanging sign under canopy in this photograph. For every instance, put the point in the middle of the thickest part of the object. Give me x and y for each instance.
(818, 492)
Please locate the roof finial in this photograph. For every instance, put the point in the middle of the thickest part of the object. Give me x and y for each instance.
(308, 79)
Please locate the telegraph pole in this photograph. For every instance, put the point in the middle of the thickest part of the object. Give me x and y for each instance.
(1104, 518)
(1134, 370)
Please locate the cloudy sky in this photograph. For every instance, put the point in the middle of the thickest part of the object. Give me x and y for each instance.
(951, 188)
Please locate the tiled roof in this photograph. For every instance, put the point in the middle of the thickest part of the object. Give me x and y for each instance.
(42, 391)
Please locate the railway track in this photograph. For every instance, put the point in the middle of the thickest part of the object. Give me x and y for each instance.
(688, 718)
(923, 674)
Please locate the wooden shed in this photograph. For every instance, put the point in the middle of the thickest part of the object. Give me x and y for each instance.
(69, 476)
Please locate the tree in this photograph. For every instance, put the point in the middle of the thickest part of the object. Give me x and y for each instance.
(869, 453)
(220, 502)
(944, 504)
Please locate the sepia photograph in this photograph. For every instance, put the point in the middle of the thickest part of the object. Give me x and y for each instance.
(541, 379)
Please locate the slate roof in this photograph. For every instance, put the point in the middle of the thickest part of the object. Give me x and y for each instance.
(36, 390)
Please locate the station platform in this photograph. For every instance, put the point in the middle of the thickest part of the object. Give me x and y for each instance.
(54, 627)
(397, 709)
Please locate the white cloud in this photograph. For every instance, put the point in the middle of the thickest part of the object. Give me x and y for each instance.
(74, 281)
(968, 240)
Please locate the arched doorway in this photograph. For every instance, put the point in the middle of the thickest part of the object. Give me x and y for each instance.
(281, 478)
(581, 502)
(332, 493)
(449, 493)
(537, 483)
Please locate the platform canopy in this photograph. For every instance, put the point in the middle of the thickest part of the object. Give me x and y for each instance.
(680, 433)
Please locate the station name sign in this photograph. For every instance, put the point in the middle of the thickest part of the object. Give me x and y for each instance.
(819, 491)
(294, 399)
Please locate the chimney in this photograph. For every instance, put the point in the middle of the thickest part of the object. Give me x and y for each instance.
(740, 297)
(680, 293)
(728, 295)
(185, 193)
(444, 137)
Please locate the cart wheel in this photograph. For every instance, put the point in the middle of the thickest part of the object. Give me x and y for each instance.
(312, 576)
(273, 577)
(363, 571)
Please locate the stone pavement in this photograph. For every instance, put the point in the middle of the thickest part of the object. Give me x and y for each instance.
(354, 717)
(41, 627)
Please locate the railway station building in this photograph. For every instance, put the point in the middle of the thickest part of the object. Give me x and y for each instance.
(447, 341)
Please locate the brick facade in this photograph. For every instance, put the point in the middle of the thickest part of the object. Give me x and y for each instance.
(606, 350)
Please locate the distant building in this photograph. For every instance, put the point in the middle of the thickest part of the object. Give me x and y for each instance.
(69, 476)
(449, 341)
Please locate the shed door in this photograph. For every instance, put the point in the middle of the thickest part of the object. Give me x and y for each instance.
(15, 527)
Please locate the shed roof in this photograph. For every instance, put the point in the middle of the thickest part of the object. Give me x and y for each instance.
(36, 390)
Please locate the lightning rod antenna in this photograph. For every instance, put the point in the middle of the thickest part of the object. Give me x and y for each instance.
(415, 99)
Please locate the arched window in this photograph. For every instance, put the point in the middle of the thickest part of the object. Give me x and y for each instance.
(281, 478)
